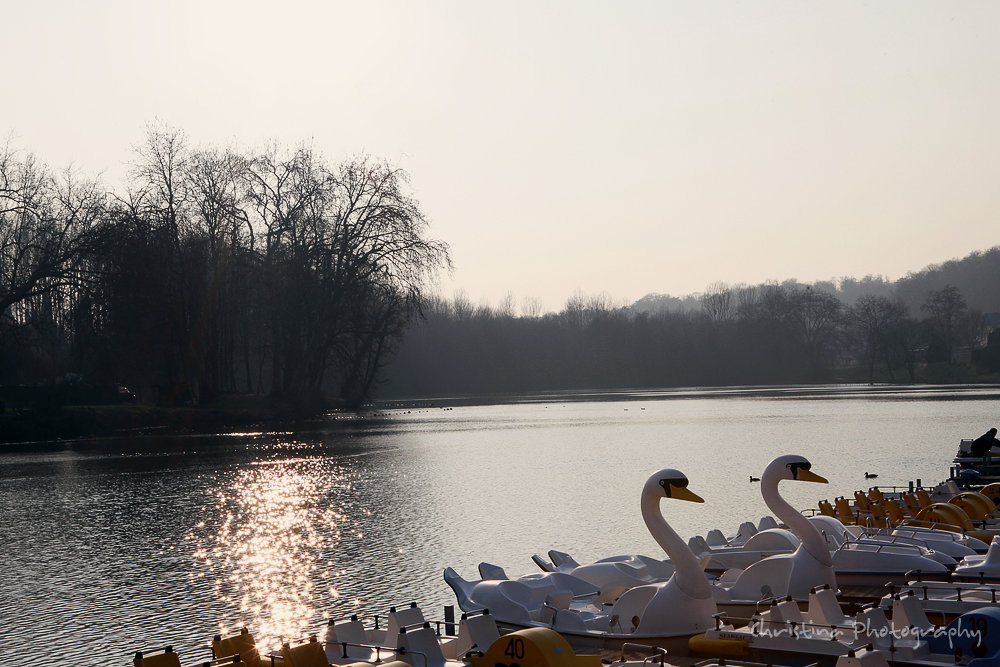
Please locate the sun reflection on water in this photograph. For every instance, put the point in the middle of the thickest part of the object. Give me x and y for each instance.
(266, 545)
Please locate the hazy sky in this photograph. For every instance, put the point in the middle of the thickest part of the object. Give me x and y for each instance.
(614, 148)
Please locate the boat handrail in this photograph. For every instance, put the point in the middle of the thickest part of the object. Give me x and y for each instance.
(407, 652)
(858, 545)
(344, 645)
(660, 653)
(919, 574)
(957, 588)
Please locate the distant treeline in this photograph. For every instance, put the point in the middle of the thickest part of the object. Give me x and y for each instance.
(920, 328)
(270, 272)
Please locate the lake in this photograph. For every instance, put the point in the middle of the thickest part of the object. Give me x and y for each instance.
(122, 544)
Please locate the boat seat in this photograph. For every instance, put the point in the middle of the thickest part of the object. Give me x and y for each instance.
(567, 620)
(895, 511)
(347, 641)
(825, 609)
(167, 658)
(491, 571)
(908, 613)
(910, 503)
(420, 648)
(861, 501)
(844, 511)
(879, 515)
(242, 644)
(552, 603)
(308, 654)
(826, 508)
(476, 632)
(698, 545)
(402, 618)
(559, 599)
(766, 522)
(164, 658)
(876, 495)
(715, 538)
(923, 498)
(787, 612)
(876, 630)
(780, 617)
(743, 533)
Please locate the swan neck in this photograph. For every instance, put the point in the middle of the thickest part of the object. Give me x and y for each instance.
(811, 538)
(687, 572)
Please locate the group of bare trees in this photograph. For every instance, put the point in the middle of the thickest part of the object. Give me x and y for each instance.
(216, 271)
(764, 334)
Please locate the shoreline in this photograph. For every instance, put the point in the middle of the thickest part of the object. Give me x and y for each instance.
(81, 422)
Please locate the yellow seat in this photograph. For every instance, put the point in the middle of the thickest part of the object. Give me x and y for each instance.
(923, 498)
(862, 502)
(844, 511)
(309, 654)
(910, 504)
(826, 509)
(879, 516)
(894, 510)
(164, 658)
(167, 658)
(875, 494)
(242, 644)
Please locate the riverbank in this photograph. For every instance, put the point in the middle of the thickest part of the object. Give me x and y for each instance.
(226, 414)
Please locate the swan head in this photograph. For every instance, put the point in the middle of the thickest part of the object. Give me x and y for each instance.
(670, 483)
(792, 467)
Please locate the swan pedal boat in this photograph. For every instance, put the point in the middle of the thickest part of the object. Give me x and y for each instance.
(846, 544)
(826, 552)
(663, 614)
(790, 559)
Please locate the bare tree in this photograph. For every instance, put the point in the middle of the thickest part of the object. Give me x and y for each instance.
(875, 319)
(945, 307)
(816, 318)
(531, 307)
(45, 223)
(718, 302)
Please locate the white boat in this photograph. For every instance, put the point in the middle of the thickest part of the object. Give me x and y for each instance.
(854, 562)
(981, 568)
(661, 614)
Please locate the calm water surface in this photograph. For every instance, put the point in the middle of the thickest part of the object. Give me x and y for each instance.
(134, 543)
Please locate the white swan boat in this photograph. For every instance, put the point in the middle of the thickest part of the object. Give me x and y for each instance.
(661, 614)
(855, 563)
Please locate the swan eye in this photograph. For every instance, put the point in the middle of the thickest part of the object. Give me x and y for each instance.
(680, 483)
(795, 467)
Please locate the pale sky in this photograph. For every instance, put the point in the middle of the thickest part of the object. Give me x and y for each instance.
(616, 148)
